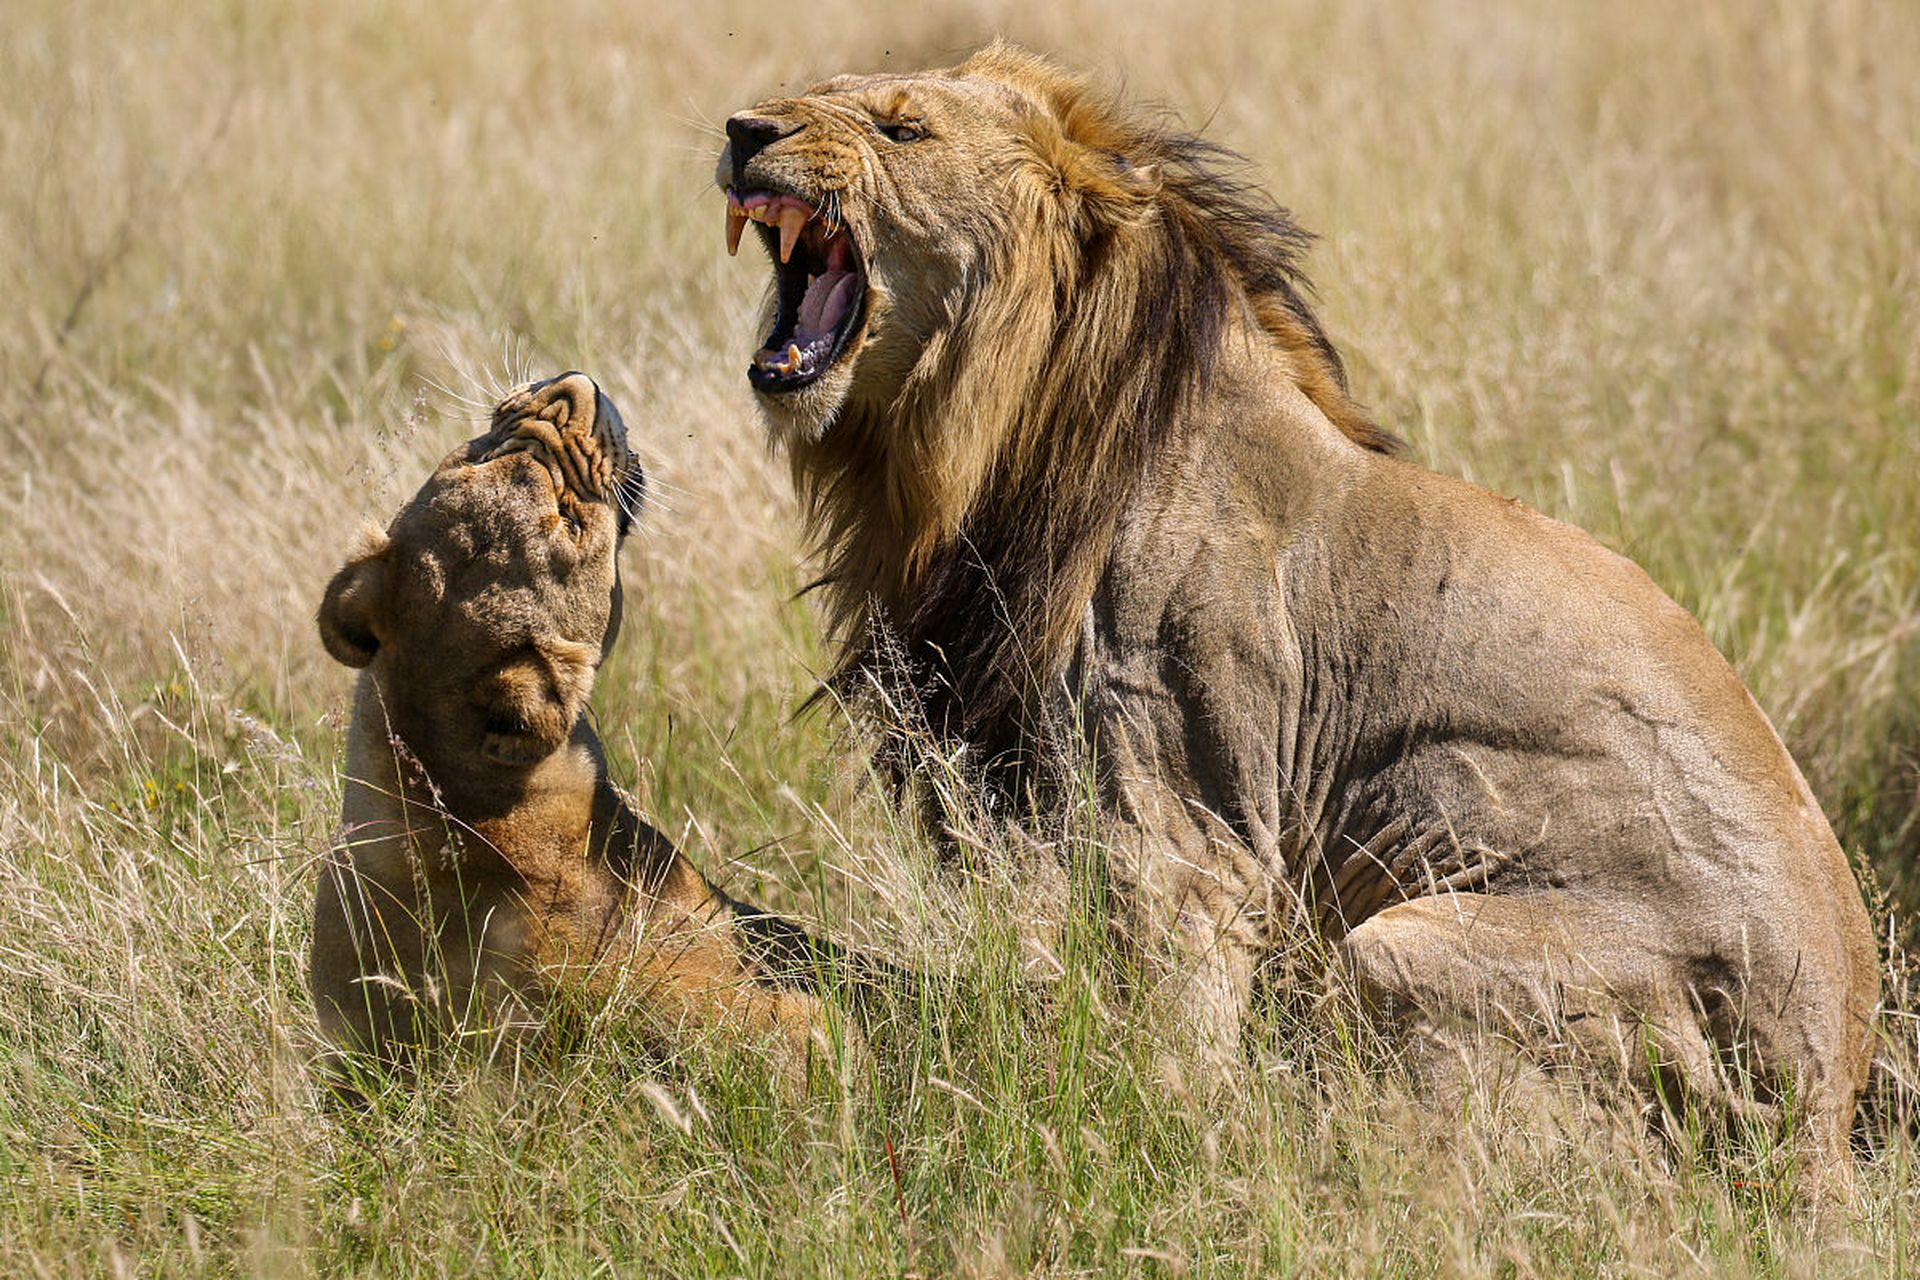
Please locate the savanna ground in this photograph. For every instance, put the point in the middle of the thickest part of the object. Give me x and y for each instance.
(1650, 268)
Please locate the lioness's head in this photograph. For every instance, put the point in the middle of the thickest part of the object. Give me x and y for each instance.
(488, 604)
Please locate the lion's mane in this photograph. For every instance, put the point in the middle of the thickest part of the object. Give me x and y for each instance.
(967, 522)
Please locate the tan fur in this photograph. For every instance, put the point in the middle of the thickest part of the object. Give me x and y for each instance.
(487, 865)
(1324, 688)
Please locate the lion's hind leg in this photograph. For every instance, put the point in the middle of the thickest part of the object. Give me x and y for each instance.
(1566, 980)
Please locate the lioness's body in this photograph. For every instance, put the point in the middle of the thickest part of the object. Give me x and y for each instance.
(487, 865)
(477, 910)
(1077, 454)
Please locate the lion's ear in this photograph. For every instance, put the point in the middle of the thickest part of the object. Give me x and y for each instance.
(350, 611)
(1084, 158)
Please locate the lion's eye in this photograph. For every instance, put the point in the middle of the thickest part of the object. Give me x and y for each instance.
(901, 131)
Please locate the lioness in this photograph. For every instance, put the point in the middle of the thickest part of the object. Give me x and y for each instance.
(487, 864)
(1071, 440)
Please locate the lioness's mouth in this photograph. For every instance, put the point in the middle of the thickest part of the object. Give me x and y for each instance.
(820, 287)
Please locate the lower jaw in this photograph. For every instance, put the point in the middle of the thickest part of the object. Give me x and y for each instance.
(832, 353)
(802, 415)
(833, 349)
(775, 388)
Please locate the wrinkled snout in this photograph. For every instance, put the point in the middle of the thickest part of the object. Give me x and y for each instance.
(570, 427)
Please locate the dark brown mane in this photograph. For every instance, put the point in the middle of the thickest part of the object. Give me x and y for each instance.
(1168, 252)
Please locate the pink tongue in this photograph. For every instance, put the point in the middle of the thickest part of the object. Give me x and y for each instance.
(825, 305)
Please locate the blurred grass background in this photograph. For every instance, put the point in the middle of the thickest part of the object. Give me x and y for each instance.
(1651, 269)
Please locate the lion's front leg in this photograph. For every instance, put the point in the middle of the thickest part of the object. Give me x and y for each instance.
(1202, 982)
(1197, 928)
(700, 964)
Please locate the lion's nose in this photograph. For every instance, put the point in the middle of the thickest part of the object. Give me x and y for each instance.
(750, 135)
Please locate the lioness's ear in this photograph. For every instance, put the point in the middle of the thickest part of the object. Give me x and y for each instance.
(349, 613)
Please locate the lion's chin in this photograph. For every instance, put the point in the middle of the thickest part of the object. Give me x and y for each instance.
(806, 414)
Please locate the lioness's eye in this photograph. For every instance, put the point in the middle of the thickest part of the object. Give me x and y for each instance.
(901, 132)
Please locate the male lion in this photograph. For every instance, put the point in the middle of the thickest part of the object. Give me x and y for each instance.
(1073, 445)
(487, 864)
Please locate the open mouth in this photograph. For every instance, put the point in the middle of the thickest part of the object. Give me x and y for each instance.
(820, 288)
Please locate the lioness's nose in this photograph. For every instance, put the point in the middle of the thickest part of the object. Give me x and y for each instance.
(750, 135)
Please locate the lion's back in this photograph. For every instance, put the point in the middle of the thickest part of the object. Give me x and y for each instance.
(1558, 708)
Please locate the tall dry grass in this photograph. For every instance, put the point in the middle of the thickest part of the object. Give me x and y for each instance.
(1649, 268)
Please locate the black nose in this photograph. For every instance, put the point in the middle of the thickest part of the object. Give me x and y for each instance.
(750, 135)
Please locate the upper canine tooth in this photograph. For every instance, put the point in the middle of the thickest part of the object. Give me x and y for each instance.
(792, 219)
(736, 223)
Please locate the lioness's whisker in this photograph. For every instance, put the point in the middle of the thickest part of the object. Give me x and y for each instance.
(650, 483)
(485, 407)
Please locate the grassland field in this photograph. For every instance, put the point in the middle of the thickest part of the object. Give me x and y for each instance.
(1651, 268)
